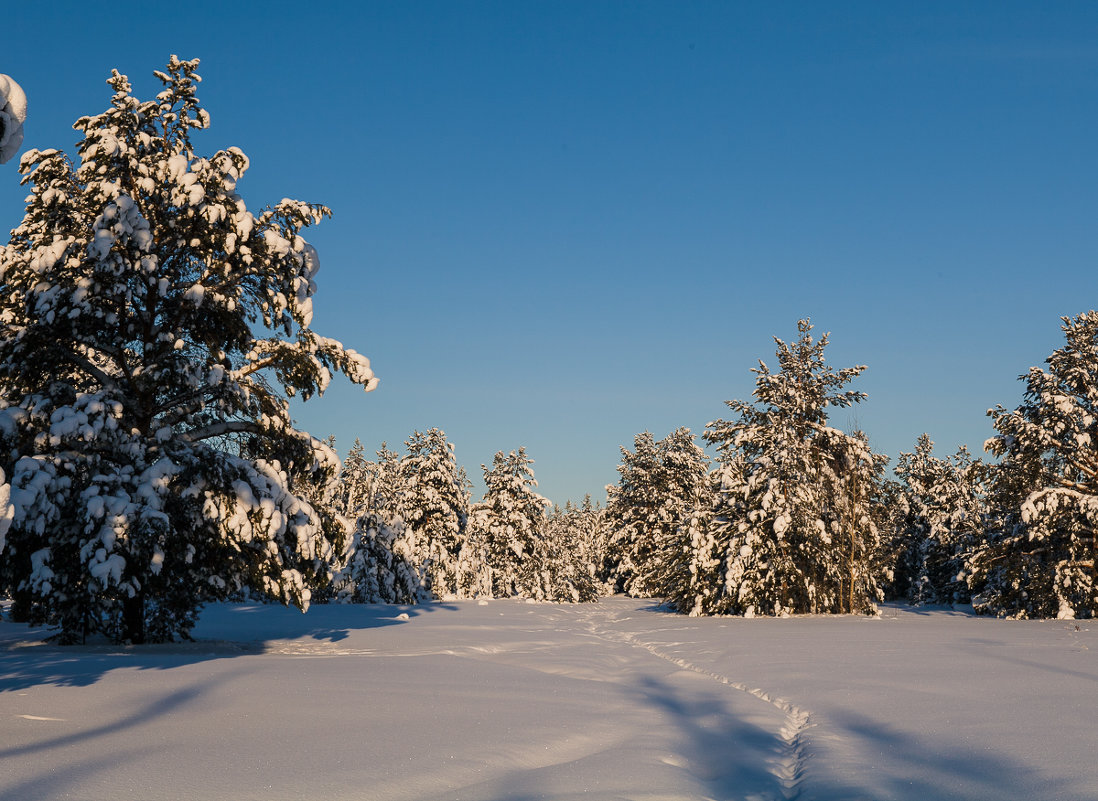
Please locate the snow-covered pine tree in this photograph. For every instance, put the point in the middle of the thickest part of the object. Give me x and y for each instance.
(593, 537)
(661, 483)
(510, 519)
(855, 481)
(794, 525)
(683, 478)
(152, 330)
(629, 505)
(1042, 561)
(318, 489)
(567, 567)
(941, 519)
(381, 566)
(707, 532)
(435, 508)
(356, 479)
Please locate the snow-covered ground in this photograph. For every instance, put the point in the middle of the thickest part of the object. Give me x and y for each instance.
(516, 701)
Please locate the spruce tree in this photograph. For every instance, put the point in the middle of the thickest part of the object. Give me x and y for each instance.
(152, 331)
(357, 479)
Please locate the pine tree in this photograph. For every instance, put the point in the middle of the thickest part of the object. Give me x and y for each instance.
(631, 507)
(382, 566)
(152, 331)
(592, 540)
(709, 588)
(661, 483)
(942, 505)
(356, 482)
(794, 528)
(510, 519)
(435, 508)
(567, 553)
(1042, 559)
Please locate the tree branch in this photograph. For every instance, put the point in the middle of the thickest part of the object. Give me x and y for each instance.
(223, 427)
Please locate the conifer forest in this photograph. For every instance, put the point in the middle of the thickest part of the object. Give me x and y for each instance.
(201, 599)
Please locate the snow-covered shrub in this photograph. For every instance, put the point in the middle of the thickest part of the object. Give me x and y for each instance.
(152, 330)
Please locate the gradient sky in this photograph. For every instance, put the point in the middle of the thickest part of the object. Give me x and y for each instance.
(559, 224)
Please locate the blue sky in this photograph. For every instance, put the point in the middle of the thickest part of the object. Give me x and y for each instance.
(557, 224)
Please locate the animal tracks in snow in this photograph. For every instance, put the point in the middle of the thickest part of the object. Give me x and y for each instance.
(789, 768)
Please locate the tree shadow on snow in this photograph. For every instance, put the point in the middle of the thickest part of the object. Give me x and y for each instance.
(912, 768)
(897, 608)
(54, 781)
(732, 757)
(1004, 652)
(728, 756)
(224, 631)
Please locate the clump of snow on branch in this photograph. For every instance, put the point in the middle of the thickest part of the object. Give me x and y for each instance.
(13, 113)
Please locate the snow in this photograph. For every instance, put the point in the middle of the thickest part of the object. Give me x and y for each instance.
(13, 113)
(511, 700)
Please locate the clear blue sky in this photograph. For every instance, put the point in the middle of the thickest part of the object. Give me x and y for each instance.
(560, 224)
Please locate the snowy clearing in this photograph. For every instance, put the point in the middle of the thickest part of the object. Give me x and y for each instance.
(511, 700)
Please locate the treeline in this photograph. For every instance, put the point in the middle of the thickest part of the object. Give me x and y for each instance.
(792, 516)
(153, 331)
(414, 534)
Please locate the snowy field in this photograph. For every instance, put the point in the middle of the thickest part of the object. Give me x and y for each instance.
(512, 701)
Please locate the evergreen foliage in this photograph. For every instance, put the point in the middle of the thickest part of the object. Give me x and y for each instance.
(661, 483)
(574, 540)
(152, 330)
(510, 519)
(1042, 557)
(381, 566)
(435, 508)
(794, 526)
(941, 519)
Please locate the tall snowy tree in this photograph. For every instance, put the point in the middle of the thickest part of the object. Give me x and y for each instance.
(510, 519)
(592, 537)
(797, 531)
(152, 331)
(661, 483)
(569, 542)
(435, 507)
(357, 479)
(1043, 559)
(381, 566)
(942, 514)
(629, 504)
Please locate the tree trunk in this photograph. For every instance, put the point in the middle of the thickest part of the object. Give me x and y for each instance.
(133, 619)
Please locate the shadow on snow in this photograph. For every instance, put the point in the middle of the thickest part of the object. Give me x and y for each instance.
(224, 631)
